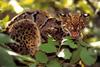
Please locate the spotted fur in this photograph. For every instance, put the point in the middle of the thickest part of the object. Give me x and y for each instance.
(30, 27)
(73, 23)
(53, 28)
(38, 16)
(27, 36)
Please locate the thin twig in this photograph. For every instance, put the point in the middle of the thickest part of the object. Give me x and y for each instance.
(91, 5)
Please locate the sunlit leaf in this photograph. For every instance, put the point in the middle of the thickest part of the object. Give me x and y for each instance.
(28, 2)
(16, 6)
(68, 41)
(6, 59)
(83, 5)
(4, 5)
(41, 57)
(65, 53)
(4, 21)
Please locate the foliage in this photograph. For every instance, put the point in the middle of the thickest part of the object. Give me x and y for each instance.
(5, 57)
(5, 39)
(53, 63)
(41, 57)
(49, 47)
(51, 54)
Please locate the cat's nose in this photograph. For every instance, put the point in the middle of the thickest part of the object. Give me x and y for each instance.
(74, 34)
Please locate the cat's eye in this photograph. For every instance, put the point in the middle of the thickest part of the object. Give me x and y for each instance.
(63, 15)
(85, 15)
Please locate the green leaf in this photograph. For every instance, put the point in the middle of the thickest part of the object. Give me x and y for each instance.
(4, 21)
(41, 57)
(70, 43)
(48, 48)
(76, 55)
(68, 37)
(65, 53)
(53, 63)
(86, 57)
(51, 41)
(23, 58)
(92, 51)
(6, 59)
(83, 43)
(5, 39)
(32, 65)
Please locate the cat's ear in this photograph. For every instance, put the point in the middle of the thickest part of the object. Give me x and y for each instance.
(34, 15)
(64, 12)
(63, 16)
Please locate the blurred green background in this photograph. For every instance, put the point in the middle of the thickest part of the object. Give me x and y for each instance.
(10, 8)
